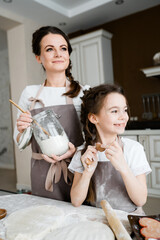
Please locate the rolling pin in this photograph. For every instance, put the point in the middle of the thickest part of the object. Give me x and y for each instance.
(114, 222)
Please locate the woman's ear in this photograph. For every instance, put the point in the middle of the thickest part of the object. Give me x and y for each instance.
(92, 118)
(38, 59)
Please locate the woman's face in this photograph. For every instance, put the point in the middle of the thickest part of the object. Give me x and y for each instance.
(54, 53)
(113, 116)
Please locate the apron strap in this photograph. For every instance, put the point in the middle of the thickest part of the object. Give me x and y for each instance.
(68, 99)
(36, 99)
(54, 172)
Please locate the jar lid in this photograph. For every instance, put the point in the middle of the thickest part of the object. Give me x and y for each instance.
(25, 138)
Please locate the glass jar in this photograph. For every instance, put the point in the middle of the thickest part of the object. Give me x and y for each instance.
(56, 141)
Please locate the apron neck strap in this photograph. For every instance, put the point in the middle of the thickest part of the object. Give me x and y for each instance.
(37, 95)
(68, 99)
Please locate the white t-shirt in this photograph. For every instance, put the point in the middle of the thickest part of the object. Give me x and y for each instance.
(133, 153)
(50, 96)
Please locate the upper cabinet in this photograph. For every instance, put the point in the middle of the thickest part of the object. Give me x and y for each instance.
(92, 58)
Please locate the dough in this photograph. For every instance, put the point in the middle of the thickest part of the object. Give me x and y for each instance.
(33, 223)
(87, 230)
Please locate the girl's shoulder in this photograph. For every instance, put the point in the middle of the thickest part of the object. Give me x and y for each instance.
(130, 143)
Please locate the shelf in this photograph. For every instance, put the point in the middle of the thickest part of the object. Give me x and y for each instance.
(152, 71)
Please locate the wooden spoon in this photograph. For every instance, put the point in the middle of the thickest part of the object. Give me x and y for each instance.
(32, 118)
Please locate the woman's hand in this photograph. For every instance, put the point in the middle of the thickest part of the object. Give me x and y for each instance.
(89, 159)
(24, 121)
(66, 155)
(115, 154)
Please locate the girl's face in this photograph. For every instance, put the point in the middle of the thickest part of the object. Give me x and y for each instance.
(54, 53)
(113, 116)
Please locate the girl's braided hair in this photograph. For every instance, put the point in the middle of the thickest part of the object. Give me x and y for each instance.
(36, 48)
(92, 102)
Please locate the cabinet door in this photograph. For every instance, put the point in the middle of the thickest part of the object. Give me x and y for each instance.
(91, 60)
(143, 139)
(133, 137)
(154, 142)
(156, 175)
(76, 62)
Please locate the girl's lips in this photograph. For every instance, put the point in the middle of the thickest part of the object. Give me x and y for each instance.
(120, 125)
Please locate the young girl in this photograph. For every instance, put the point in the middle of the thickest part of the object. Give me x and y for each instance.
(115, 171)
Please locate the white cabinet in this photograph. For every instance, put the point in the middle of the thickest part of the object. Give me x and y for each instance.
(151, 144)
(154, 148)
(92, 58)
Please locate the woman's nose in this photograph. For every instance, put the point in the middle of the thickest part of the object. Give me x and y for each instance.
(57, 53)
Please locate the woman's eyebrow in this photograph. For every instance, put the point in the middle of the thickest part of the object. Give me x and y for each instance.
(63, 45)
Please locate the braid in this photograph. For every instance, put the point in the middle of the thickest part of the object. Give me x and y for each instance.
(74, 86)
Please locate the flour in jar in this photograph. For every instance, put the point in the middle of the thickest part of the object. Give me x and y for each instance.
(57, 145)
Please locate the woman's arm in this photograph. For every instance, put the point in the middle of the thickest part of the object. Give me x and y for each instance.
(135, 186)
(81, 181)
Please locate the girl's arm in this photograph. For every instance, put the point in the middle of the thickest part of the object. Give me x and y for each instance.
(81, 181)
(80, 187)
(135, 185)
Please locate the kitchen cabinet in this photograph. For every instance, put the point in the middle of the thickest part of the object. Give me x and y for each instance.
(150, 139)
(92, 58)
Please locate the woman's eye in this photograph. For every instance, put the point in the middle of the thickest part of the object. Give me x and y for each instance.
(64, 49)
(49, 49)
(126, 110)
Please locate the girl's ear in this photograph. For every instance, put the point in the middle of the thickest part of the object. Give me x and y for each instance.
(92, 118)
(38, 59)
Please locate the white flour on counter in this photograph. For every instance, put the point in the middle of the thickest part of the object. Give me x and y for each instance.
(33, 223)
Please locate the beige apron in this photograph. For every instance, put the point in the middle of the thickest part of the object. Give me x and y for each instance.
(54, 180)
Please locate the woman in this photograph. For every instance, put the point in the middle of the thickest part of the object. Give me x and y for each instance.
(61, 94)
(114, 169)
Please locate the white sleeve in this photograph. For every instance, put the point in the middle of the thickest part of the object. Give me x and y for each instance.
(137, 160)
(76, 164)
(24, 104)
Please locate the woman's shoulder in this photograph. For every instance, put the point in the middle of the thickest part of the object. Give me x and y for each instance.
(84, 87)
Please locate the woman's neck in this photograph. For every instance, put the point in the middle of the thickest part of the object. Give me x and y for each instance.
(55, 80)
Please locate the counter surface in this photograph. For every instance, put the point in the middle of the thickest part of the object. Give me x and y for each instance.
(15, 202)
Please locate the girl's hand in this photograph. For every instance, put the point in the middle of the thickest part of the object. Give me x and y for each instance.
(66, 155)
(115, 154)
(24, 121)
(89, 159)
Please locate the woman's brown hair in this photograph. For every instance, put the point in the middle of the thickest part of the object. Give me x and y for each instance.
(36, 48)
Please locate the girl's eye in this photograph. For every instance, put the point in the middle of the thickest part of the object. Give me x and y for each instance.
(114, 111)
(126, 110)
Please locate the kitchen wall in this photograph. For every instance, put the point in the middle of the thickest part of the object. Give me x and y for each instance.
(136, 38)
(23, 71)
(6, 143)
